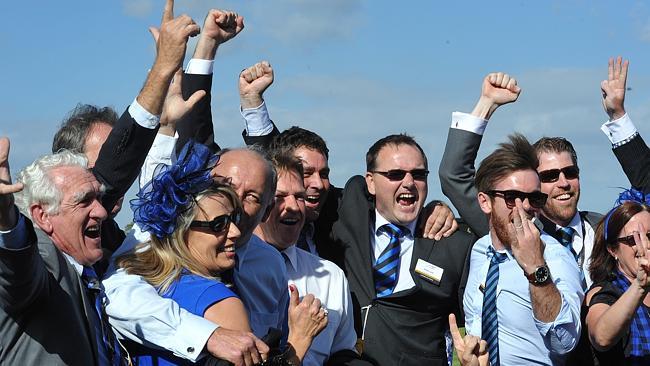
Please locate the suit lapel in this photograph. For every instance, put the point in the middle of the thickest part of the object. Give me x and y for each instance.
(421, 249)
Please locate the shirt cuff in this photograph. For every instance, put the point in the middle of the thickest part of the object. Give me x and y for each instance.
(619, 130)
(562, 333)
(258, 122)
(199, 66)
(142, 116)
(467, 122)
(16, 238)
(192, 336)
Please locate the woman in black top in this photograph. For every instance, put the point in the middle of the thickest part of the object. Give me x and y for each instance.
(618, 318)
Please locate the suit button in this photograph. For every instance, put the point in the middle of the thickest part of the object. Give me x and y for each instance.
(190, 349)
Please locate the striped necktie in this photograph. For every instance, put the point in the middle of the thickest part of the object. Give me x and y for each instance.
(565, 237)
(490, 321)
(386, 268)
(109, 343)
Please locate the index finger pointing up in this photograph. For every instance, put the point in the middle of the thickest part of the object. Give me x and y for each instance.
(168, 13)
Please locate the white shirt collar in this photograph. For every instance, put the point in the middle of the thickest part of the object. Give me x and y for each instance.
(75, 264)
(381, 221)
(575, 224)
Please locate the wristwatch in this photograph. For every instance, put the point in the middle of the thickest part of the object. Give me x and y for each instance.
(540, 275)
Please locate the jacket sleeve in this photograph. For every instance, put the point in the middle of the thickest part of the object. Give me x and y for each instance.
(457, 173)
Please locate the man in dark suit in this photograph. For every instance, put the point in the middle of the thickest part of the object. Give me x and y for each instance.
(558, 170)
(403, 286)
(51, 302)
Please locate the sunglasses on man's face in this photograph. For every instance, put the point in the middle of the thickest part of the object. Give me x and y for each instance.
(399, 174)
(536, 199)
(629, 240)
(552, 175)
(220, 223)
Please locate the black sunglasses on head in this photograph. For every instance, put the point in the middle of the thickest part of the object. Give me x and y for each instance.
(399, 174)
(220, 223)
(552, 175)
(536, 199)
(629, 240)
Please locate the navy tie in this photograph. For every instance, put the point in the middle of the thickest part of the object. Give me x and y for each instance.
(490, 321)
(386, 268)
(109, 342)
(565, 237)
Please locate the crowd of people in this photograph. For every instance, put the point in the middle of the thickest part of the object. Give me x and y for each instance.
(249, 256)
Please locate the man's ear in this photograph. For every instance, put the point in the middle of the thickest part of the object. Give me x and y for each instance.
(485, 203)
(370, 182)
(41, 218)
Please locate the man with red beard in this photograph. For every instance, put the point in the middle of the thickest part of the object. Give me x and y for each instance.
(558, 172)
(524, 290)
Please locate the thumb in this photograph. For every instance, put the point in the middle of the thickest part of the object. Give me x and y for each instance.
(155, 33)
(604, 86)
(294, 296)
(195, 98)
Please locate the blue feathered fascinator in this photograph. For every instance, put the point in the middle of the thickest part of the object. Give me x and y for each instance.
(172, 190)
(627, 195)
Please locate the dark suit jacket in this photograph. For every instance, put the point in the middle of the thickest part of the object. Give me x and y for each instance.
(406, 328)
(634, 157)
(118, 165)
(44, 309)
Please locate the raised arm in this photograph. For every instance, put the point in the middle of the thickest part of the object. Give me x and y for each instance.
(123, 153)
(457, 167)
(253, 81)
(23, 276)
(630, 149)
(219, 27)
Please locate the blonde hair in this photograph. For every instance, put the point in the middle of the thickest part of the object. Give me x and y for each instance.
(162, 261)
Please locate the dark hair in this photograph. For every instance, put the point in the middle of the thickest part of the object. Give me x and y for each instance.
(296, 137)
(515, 155)
(75, 127)
(401, 139)
(284, 161)
(602, 263)
(556, 145)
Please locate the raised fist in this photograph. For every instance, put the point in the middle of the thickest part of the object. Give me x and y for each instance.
(500, 88)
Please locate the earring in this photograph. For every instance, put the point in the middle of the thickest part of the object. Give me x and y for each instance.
(616, 258)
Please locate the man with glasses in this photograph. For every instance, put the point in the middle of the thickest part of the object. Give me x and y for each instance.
(558, 173)
(524, 290)
(403, 285)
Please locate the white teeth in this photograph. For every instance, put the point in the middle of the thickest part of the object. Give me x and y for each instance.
(565, 196)
(406, 195)
(229, 249)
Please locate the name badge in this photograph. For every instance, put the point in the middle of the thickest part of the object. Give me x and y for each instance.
(429, 271)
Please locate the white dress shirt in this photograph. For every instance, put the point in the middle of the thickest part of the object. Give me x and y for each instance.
(619, 131)
(379, 240)
(326, 281)
(524, 340)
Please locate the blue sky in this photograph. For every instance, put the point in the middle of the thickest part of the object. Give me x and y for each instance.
(351, 70)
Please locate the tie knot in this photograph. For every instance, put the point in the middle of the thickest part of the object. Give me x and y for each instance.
(565, 234)
(496, 257)
(395, 231)
(90, 278)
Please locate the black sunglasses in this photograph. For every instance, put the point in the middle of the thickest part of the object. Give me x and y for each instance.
(536, 199)
(220, 223)
(552, 175)
(399, 174)
(629, 240)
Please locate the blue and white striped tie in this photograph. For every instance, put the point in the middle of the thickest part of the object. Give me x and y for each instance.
(490, 321)
(386, 268)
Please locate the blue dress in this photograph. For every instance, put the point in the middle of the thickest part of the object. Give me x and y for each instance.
(193, 293)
